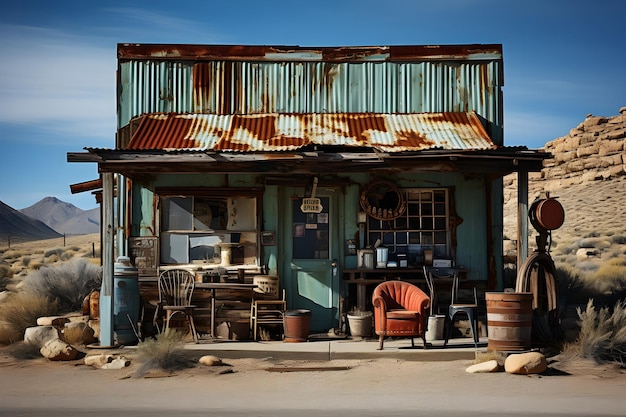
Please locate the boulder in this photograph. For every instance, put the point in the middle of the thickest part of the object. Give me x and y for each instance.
(98, 360)
(56, 321)
(78, 333)
(39, 335)
(117, 363)
(525, 363)
(58, 350)
(484, 367)
(210, 360)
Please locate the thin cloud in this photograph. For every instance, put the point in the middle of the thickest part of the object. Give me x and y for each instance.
(53, 79)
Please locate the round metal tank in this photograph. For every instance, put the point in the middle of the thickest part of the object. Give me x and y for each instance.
(126, 303)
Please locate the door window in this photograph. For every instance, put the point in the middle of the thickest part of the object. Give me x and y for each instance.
(310, 234)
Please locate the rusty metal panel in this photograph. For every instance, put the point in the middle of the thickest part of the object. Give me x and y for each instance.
(307, 81)
(287, 132)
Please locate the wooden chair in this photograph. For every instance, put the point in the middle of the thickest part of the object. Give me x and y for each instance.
(267, 311)
(175, 291)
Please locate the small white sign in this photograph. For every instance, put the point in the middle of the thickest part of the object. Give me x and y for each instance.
(311, 205)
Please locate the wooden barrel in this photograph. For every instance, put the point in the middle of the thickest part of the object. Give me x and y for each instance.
(509, 320)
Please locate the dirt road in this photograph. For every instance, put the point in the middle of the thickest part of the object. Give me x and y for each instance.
(275, 387)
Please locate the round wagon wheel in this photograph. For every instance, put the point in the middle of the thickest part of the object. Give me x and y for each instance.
(382, 200)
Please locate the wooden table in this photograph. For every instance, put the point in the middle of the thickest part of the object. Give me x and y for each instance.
(215, 286)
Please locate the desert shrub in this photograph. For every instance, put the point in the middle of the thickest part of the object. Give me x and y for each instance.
(591, 234)
(14, 254)
(67, 255)
(611, 276)
(22, 309)
(587, 268)
(26, 261)
(166, 351)
(69, 282)
(603, 332)
(35, 265)
(5, 271)
(50, 252)
(618, 239)
(52, 259)
(8, 335)
(92, 254)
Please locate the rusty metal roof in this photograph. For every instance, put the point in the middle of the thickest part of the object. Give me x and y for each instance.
(289, 132)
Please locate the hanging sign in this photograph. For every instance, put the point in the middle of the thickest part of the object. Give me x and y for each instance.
(311, 205)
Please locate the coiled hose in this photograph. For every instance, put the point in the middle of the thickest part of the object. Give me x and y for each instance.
(538, 276)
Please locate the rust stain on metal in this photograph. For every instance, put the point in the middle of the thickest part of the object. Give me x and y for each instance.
(330, 54)
(288, 132)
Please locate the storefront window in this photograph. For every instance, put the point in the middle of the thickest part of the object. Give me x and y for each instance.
(198, 229)
(424, 225)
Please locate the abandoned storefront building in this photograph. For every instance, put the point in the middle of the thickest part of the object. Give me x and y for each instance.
(324, 170)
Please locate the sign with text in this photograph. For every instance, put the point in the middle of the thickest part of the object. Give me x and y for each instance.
(311, 205)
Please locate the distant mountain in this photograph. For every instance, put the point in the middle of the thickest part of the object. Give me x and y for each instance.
(19, 227)
(65, 218)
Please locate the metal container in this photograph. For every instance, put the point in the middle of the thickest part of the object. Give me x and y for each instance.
(365, 258)
(509, 321)
(126, 301)
(382, 254)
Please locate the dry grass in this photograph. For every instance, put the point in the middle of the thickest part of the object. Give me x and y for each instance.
(24, 257)
(21, 310)
(603, 332)
(166, 352)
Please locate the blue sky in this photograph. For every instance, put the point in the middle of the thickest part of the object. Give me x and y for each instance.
(563, 60)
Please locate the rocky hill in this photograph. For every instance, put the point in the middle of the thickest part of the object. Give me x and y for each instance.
(588, 176)
(64, 217)
(17, 227)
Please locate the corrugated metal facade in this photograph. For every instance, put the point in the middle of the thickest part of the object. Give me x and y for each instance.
(284, 82)
(288, 132)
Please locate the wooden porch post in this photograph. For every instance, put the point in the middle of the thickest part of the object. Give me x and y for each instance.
(108, 236)
(522, 217)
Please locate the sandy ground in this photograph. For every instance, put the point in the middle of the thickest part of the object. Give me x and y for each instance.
(574, 387)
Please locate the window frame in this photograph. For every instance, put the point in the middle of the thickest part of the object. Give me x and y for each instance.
(422, 218)
(219, 194)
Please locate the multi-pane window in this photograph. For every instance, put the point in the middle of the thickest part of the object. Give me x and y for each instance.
(424, 225)
(197, 229)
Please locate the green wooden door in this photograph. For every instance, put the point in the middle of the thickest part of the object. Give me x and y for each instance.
(311, 281)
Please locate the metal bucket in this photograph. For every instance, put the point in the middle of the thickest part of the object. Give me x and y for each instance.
(509, 320)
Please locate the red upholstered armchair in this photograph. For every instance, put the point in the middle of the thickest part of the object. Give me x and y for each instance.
(400, 309)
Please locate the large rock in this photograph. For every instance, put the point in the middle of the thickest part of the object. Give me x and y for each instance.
(117, 363)
(210, 360)
(58, 350)
(98, 360)
(39, 335)
(484, 367)
(525, 363)
(78, 333)
(57, 321)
